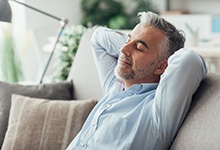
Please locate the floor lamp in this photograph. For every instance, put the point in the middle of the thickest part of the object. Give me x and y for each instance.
(6, 15)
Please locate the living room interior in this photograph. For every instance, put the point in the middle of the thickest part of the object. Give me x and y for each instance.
(27, 43)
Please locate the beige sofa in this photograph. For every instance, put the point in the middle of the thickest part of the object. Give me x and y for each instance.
(201, 128)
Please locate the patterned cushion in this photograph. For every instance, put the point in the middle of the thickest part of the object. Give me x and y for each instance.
(44, 124)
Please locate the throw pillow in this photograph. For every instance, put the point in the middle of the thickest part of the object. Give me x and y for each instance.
(44, 124)
(62, 90)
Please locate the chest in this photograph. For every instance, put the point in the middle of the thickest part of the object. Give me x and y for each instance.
(128, 107)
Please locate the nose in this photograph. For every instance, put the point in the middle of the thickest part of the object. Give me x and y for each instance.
(126, 49)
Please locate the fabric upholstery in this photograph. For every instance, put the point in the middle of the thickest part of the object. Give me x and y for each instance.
(83, 71)
(201, 128)
(44, 124)
(61, 90)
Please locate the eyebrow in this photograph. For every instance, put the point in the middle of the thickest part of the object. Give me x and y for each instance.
(140, 41)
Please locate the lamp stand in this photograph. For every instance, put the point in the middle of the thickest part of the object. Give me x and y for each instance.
(63, 24)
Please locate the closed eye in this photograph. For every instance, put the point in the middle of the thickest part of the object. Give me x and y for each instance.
(140, 47)
(143, 44)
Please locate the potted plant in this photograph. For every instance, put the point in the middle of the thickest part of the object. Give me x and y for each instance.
(68, 46)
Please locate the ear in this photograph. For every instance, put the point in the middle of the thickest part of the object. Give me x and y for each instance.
(161, 66)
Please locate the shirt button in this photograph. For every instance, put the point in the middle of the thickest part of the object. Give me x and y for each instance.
(81, 144)
(108, 106)
(93, 123)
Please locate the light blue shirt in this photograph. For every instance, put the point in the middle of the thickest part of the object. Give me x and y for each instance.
(146, 116)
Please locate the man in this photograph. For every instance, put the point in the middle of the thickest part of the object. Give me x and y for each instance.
(148, 82)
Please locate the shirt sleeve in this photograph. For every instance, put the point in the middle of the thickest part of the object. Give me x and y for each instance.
(106, 44)
(178, 83)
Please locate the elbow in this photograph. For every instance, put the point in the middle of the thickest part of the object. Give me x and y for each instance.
(198, 63)
(189, 60)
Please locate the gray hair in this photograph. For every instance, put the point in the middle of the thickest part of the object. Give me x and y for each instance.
(174, 38)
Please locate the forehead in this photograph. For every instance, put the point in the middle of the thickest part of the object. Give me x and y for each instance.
(147, 32)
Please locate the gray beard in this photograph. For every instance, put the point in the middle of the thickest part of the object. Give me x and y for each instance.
(132, 74)
(124, 75)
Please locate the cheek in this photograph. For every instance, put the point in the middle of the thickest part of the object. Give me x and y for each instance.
(144, 63)
(140, 64)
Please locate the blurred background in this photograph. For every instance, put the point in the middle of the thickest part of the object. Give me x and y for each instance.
(26, 43)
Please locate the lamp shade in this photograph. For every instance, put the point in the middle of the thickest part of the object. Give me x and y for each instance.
(5, 11)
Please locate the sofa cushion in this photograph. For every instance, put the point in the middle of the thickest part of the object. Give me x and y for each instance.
(44, 124)
(83, 71)
(61, 90)
(201, 128)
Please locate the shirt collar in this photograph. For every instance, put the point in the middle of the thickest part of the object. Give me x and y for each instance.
(143, 88)
(137, 88)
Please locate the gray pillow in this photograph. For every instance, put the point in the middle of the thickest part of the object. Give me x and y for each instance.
(56, 91)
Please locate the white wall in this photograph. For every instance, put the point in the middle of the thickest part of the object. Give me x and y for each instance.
(160, 4)
(60, 8)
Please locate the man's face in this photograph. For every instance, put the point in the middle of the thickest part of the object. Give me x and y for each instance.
(138, 59)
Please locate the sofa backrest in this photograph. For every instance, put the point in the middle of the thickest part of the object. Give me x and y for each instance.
(83, 71)
(201, 128)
